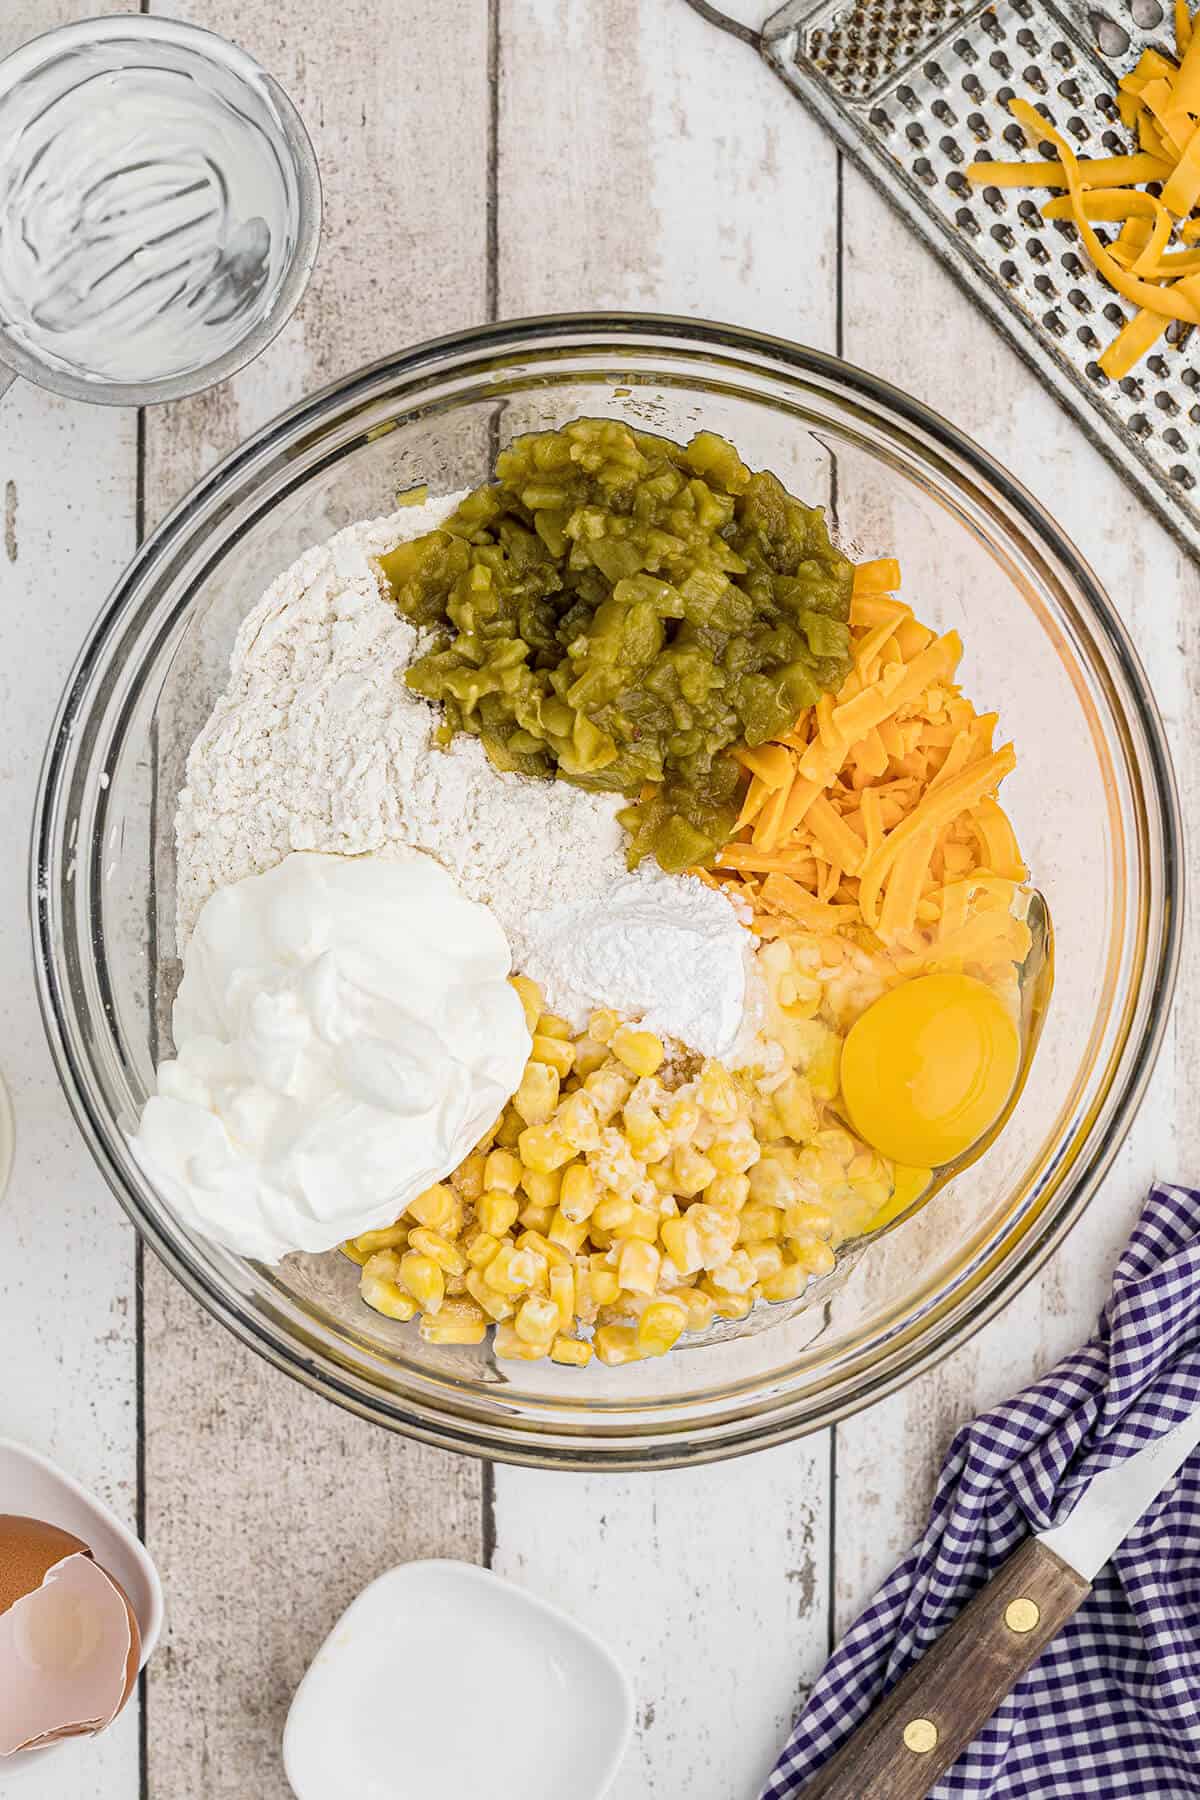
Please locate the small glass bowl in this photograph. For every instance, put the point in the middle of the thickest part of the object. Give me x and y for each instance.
(1093, 799)
(40, 76)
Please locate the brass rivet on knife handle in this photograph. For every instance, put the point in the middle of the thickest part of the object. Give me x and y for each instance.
(903, 1748)
(1022, 1614)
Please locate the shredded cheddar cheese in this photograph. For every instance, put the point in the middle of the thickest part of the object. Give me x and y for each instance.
(877, 813)
(1159, 102)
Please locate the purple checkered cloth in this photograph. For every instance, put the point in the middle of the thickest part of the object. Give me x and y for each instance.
(1112, 1707)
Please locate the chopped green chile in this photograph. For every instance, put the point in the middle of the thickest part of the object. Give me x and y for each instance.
(621, 611)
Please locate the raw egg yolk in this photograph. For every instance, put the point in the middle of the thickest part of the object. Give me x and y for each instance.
(928, 1068)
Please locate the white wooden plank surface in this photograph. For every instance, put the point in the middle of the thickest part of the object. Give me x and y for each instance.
(642, 159)
(67, 1309)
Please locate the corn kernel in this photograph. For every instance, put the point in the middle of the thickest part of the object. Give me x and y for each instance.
(614, 1165)
(603, 1283)
(736, 1152)
(435, 1207)
(796, 1109)
(607, 1088)
(536, 1218)
(817, 1258)
(788, 1283)
(537, 1096)
(531, 1000)
(551, 1025)
(467, 1180)
(392, 1237)
(716, 1233)
(648, 1137)
(682, 1244)
(510, 1128)
(562, 1292)
(573, 1351)
(494, 1305)
(578, 1121)
(716, 1092)
(728, 1193)
(456, 1286)
(537, 1321)
(555, 1053)
(819, 1169)
(551, 1254)
(424, 1280)
(446, 1255)
(643, 1222)
(379, 1287)
(804, 1221)
(497, 1211)
(691, 1171)
(567, 1234)
(699, 1306)
(501, 1169)
(730, 1306)
(874, 1192)
(660, 1326)
(756, 1222)
(616, 1344)
(660, 1177)
(458, 1322)
(612, 1212)
(482, 1248)
(541, 1189)
(766, 1257)
(682, 1116)
(511, 1271)
(589, 1056)
(350, 1249)
(543, 1149)
(578, 1194)
(837, 1142)
(512, 1347)
(770, 1183)
(640, 1051)
(602, 1024)
(638, 1266)
(737, 1275)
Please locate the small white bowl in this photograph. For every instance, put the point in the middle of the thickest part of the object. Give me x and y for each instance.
(32, 1487)
(440, 1672)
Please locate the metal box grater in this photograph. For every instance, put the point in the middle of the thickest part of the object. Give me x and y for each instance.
(914, 90)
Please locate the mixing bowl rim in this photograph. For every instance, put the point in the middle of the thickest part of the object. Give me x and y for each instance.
(739, 1429)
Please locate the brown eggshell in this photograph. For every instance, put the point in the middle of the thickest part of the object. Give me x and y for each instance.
(29, 1549)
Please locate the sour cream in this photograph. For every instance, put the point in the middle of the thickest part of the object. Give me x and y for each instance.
(345, 1033)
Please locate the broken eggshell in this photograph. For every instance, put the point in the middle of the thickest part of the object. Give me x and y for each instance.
(69, 1640)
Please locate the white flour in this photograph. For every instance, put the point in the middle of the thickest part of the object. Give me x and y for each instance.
(316, 744)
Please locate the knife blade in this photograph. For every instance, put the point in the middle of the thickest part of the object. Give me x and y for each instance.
(904, 1747)
(1113, 1502)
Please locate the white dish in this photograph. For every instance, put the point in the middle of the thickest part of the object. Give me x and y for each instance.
(441, 1672)
(32, 1487)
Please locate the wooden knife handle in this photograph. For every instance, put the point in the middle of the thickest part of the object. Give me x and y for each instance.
(902, 1748)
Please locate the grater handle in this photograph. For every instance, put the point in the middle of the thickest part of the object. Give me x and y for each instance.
(740, 18)
(907, 1743)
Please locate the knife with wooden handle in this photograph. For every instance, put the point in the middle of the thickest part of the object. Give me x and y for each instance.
(907, 1743)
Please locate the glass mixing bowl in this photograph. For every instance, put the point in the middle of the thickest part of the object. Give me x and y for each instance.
(1093, 800)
